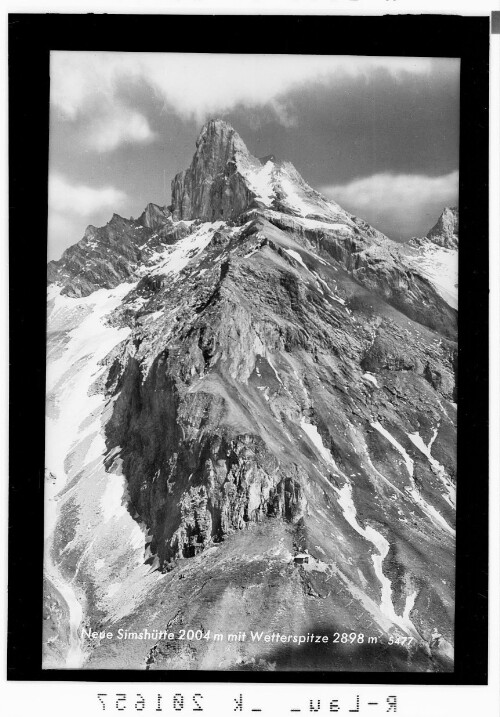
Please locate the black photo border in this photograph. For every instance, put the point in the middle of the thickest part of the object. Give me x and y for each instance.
(31, 38)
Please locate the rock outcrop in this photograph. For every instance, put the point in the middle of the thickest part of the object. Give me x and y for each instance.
(117, 252)
(154, 217)
(445, 231)
(213, 187)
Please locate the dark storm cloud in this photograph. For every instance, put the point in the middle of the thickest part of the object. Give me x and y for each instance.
(358, 126)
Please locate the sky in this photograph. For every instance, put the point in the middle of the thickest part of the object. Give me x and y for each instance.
(379, 135)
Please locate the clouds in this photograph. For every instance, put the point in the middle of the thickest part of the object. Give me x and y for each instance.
(90, 89)
(400, 205)
(72, 206)
(85, 91)
(114, 128)
(81, 200)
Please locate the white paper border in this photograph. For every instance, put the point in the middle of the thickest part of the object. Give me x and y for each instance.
(60, 699)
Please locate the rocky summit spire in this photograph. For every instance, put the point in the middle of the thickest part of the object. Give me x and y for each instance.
(212, 188)
(219, 140)
(445, 231)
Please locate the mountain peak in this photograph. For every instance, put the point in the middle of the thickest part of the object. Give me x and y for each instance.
(211, 189)
(445, 231)
(153, 216)
(219, 138)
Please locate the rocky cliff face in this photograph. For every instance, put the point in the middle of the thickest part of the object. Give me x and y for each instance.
(251, 374)
(213, 187)
(445, 231)
(154, 217)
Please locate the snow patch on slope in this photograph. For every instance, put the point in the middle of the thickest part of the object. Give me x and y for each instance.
(68, 380)
(174, 259)
(295, 255)
(71, 375)
(408, 461)
(260, 181)
(429, 509)
(292, 198)
(75, 453)
(312, 433)
(382, 546)
(439, 470)
(440, 267)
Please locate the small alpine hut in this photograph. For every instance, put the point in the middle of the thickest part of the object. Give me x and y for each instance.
(301, 558)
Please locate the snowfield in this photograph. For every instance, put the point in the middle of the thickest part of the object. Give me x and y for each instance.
(260, 181)
(175, 258)
(75, 452)
(440, 267)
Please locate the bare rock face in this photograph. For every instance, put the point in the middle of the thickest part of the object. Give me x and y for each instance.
(271, 376)
(154, 217)
(110, 255)
(106, 256)
(381, 266)
(445, 231)
(212, 188)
